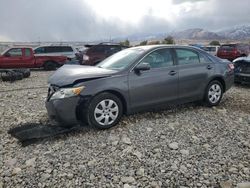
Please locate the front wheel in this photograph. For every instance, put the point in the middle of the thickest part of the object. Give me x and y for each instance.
(105, 111)
(214, 93)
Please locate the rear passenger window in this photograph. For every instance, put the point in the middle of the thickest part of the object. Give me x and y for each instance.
(27, 52)
(40, 50)
(227, 48)
(66, 49)
(53, 49)
(49, 49)
(186, 57)
(204, 59)
(99, 49)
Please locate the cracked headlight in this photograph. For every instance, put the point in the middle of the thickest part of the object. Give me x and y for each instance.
(67, 92)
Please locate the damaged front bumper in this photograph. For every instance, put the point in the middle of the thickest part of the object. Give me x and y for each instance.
(63, 111)
(242, 77)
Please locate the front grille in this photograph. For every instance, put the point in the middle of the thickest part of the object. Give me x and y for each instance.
(51, 90)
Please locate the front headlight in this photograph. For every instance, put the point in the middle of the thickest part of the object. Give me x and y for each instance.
(67, 92)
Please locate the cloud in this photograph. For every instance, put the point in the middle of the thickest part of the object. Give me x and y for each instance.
(52, 20)
(184, 1)
(77, 20)
(215, 15)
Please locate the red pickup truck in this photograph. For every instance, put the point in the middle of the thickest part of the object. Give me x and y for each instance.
(25, 58)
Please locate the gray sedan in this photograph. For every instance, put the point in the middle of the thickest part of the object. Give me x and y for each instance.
(133, 80)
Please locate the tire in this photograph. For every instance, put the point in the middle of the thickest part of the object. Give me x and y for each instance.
(9, 76)
(214, 93)
(50, 65)
(19, 76)
(25, 72)
(104, 111)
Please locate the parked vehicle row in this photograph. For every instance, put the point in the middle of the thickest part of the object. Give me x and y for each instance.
(136, 79)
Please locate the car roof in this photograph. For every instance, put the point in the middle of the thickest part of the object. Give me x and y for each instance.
(52, 46)
(151, 47)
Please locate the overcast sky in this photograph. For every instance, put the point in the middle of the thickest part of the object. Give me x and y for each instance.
(86, 20)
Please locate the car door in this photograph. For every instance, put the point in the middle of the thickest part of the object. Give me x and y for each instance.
(13, 58)
(157, 85)
(28, 58)
(194, 71)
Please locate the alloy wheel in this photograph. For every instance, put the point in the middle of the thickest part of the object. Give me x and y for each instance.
(214, 93)
(106, 112)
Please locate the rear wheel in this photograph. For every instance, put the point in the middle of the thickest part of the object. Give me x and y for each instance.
(104, 111)
(50, 65)
(214, 93)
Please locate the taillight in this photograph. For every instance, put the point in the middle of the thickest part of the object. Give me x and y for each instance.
(231, 66)
(85, 57)
(236, 52)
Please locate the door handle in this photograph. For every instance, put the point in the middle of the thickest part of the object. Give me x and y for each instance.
(172, 73)
(209, 67)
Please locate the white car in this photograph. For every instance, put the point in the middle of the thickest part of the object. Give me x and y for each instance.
(67, 51)
(211, 49)
(247, 59)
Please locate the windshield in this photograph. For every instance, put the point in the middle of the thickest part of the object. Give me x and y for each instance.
(121, 60)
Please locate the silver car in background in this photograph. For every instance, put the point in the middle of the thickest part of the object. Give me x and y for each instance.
(68, 51)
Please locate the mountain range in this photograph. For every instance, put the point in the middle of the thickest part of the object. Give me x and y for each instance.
(235, 33)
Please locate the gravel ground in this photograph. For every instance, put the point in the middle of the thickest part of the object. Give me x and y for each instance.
(187, 146)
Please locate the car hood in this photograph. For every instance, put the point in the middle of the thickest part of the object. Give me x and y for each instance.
(70, 74)
(247, 59)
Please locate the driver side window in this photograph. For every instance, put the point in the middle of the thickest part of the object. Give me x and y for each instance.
(159, 59)
(15, 52)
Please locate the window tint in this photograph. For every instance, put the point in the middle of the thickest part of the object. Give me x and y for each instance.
(204, 59)
(27, 52)
(15, 52)
(159, 58)
(98, 49)
(66, 49)
(121, 59)
(52, 49)
(227, 48)
(40, 50)
(185, 56)
(112, 49)
(209, 49)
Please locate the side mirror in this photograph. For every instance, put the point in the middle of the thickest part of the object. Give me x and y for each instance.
(142, 67)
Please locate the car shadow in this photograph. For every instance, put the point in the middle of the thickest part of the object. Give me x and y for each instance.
(242, 85)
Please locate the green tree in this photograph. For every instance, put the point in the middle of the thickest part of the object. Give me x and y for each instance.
(168, 40)
(125, 43)
(143, 43)
(153, 42)
(215, 43)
